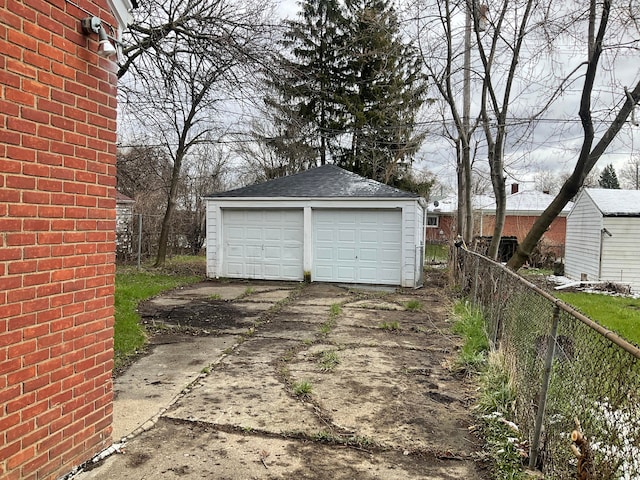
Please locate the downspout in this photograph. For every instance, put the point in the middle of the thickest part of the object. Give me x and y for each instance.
(602, 234)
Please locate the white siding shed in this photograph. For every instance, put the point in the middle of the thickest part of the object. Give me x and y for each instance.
(325, 223)
(603, 230)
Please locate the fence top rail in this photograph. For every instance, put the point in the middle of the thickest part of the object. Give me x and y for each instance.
(612, 336)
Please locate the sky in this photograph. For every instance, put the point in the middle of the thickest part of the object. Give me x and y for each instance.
(554, 143)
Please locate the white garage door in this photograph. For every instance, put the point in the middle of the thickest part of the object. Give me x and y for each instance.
(262, 244)
(357, 246)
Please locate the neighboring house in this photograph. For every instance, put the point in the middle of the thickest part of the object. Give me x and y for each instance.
(442, 214)
(57, 218)
(603, 229)
(522, 210)
(124, 224)
(325, 225)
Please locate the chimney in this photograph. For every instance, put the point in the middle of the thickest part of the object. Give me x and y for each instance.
(514, 188)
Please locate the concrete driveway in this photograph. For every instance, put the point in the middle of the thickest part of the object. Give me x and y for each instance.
(281, 380)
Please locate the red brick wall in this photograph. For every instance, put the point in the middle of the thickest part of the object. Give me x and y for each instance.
(57, 239)
(519, 226)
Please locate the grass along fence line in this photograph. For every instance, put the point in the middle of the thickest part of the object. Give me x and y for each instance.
(563, 367)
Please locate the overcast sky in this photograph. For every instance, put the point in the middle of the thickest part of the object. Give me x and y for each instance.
(554, 143)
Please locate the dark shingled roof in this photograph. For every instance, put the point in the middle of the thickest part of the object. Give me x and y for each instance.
(327, 181)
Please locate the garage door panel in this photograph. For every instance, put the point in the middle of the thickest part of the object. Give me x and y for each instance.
(345, 274)
(324, 253)
(357, 246)
(272, 234)
(262, 244)
(346, 254)
(291, 252)
(368, 254)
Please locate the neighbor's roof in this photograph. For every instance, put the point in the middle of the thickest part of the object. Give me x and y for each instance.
(527, 202)
(450, 204)
(614, 202)
(327, 181)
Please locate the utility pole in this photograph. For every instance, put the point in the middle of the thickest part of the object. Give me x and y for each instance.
(467, 212)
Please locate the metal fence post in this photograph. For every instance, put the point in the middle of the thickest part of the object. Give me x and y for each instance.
(546, 380)
(475, 282)
(499, 304)
(139, 240)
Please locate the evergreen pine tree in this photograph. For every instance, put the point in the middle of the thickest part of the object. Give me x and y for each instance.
(347, 90)
(303, 85)
(384, 89)
(608, 178)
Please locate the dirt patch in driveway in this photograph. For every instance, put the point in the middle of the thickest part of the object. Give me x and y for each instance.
(323, 382)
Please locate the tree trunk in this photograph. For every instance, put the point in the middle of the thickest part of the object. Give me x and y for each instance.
(171, 205)
(588, 156)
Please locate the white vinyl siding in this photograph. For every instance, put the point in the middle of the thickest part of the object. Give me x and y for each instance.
(391, 248)
(582, 246)
(620, 252)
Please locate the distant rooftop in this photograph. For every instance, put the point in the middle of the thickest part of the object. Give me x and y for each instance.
(527, 201)
(521, 203)
(327, 181)
(614, 202)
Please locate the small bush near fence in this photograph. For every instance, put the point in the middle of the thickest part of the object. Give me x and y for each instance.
(564, 368)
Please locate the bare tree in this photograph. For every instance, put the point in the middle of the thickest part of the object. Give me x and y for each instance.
(600, 31)
(444, 48)
(630, 173)
(204, 173)
(184, 59)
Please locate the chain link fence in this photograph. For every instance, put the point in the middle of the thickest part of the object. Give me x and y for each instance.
(564, 367)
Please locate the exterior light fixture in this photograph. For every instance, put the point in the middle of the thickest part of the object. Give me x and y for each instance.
(94, 25)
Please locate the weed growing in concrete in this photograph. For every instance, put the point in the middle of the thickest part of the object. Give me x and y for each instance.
(215, 296)
(327, 326)
(413, 305)
(390, 326)
(334, 311)
(302, 389)
(328, 360)
(248, 291)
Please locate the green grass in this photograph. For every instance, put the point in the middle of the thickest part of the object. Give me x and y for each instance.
(436, 252)
(390, 326)
(302, 389)
(132, 287)
(328, 360)
(494, 408)
(619, 314)
(469, 325)
(413, 305)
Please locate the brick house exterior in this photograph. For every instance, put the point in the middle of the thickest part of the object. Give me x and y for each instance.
(57, 243)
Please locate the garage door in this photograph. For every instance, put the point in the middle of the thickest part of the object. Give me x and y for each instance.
(262, 244)
(357, 246)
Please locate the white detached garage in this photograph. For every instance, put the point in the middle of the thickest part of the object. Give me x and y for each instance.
(327, 223)
(602, 237)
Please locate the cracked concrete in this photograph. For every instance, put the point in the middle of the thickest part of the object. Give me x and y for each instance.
(221, 404)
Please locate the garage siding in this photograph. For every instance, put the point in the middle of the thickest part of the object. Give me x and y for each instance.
(396, 263)
(582, 246)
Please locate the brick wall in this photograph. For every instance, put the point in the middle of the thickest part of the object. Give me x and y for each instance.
(57, 234)
(519, 226)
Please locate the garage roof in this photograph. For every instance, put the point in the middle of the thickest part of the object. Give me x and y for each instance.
(615, 202)
(327, 181)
